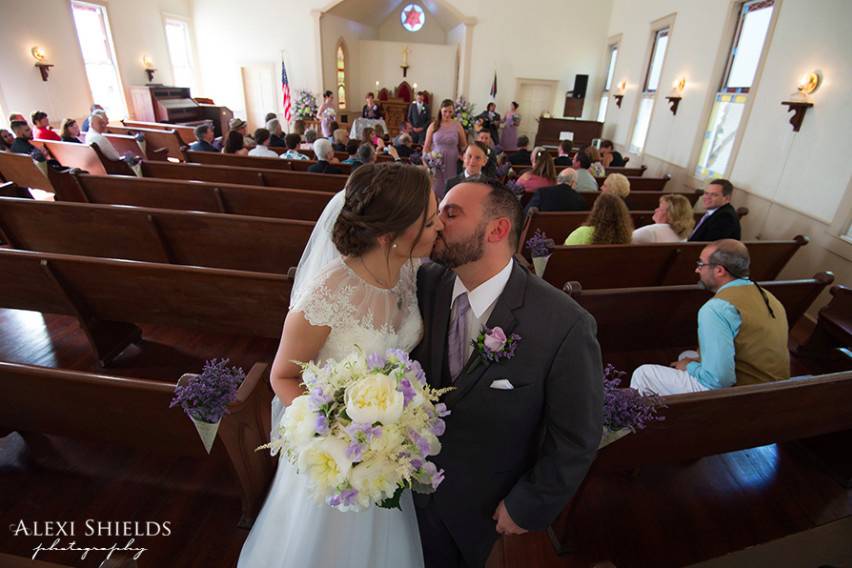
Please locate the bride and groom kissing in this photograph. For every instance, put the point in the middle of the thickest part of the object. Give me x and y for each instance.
(525, 413)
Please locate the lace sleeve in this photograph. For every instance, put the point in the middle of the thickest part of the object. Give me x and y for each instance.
(324, 301)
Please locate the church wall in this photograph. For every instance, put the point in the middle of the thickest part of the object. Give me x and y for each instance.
(137, 29)
(793, 183)
(391, 30)
(334, 28)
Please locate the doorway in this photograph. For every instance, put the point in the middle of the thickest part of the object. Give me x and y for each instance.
(535, 97)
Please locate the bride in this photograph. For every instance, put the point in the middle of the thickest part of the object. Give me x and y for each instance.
(363, 293)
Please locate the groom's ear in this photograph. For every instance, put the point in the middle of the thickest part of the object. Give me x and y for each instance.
(498, 229)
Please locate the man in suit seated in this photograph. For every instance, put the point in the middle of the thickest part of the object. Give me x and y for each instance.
(404, 146)
(204, 135)
(521, 157)
(610, 157)
(559, 197)
(564, 158)
(720, 219)
(419, 117)
(742, 331)
(372, 109)
(474, 159)
(324, 153)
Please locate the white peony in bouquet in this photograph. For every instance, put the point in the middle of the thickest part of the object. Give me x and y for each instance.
(364, 430)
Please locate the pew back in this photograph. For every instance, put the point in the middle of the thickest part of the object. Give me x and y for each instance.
(72, 155)
(186, 133)
(157, 142)
(20, 169)
(244, 176)
(643, 200)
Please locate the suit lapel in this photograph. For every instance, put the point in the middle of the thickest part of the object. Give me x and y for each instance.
(503, 316)
(440, 324)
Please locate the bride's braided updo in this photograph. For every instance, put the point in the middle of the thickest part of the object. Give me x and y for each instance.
(381, 199)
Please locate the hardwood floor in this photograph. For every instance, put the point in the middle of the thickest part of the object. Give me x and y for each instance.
(661, 516)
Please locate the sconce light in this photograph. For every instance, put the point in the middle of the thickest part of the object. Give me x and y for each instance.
(676, 95)
(148, 65)
(619, 93)
(415, 87)
(801, 100)
(40, 56)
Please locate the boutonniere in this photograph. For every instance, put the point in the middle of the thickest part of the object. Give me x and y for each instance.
(492, 346)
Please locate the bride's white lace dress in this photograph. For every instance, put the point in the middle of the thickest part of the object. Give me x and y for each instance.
(293, 530)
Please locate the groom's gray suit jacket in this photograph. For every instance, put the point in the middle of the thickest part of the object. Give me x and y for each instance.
(531, 445)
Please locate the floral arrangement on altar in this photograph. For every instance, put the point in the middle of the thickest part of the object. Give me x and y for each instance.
(364, 430)
(626, 410)
(433, 160)
(305, 105)
(463, 112)
(205, 397)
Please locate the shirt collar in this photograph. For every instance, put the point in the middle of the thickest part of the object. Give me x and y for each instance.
(486, 293)
(732, 283)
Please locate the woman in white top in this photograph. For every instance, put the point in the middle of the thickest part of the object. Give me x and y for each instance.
(673, 222)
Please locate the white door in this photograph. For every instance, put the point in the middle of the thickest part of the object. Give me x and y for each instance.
(534, 98)
(259, 91)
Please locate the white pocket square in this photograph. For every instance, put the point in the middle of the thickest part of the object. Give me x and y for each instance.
(502, 384)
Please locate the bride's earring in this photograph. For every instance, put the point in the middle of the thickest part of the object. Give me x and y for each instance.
(394, 245)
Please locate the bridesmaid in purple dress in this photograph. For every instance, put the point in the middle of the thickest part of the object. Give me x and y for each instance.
(509, 137)
(326, 113)
(445, 135)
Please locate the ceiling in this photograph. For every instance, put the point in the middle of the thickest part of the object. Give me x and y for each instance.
(374, 12)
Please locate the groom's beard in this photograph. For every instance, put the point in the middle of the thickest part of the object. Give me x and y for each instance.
(453, 255)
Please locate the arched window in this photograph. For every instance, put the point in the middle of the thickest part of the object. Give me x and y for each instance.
(341, 76)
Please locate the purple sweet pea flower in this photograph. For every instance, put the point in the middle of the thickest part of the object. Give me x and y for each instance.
(441, 409)
(322, 427)
(399, 355)
(407, 391)
(435, 475)
(318, 398)
(376, 361)
(422, 443)
(345, 497)
(438, 427)
(355, 451)
(495, 339)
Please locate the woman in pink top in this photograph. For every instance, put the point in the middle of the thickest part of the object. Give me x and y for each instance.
(542, 174)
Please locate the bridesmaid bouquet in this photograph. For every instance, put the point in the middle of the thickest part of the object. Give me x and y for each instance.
(516, 119)
(364, 430)
(434, 160)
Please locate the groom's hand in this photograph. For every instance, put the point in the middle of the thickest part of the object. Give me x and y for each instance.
(505, 524)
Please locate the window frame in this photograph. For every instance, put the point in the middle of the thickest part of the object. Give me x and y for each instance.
(665, 24)
(613, 45)
(735, 40)
(342, 104)
(193, 59)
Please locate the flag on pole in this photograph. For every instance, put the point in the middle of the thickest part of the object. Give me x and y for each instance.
(285, 92)
(494, 86)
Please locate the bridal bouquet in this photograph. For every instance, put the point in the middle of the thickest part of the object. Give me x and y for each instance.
(364, 430)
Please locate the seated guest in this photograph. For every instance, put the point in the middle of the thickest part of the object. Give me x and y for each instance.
(6, 140)
(559, 197)
(292, 141)
(204, 135)
(616, 184)
(586, 183)
(521, 157)
(235, 144)
(98, 122)
(92, 110)
(490, 168)
(673, 221)
(596, 169)
(42, 129)
(22, 143)
(70, 131)
(379, 139)
(563, 157)
(367, 135)
(16, 117)
(269, 116)
(742, 331)
(405, 145)
(720, 220)
(310, 137)
(372, 109)
(611, 158)
(474, 159)
(334, 126)
(364, 154)
(340, 137)
(609, 223)
(261, 136)
(299, 127)
(542, 174)
(239, 125)
(324, 153)
(352, 149)
(276, 134)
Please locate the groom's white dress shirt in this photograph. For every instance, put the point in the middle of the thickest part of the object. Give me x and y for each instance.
(482, 301)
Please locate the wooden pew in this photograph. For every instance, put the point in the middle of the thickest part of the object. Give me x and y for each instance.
(303, 165)
(244, 176)
(159, 144)
(193, 196)
(309, 153)
(659, 264)
(135, 412)
(643, 183)
(629, 172)
(106, 295)
(72, 155)
(644, 200)
(20, 169)
(125, 144)
(714, 422)
(191, 238)
(665, 317)
(255, 162)
(830, 343)
(186, 133)
(557, 225)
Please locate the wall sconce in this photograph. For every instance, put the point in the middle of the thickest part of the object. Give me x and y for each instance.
(801, 101)
(676, 95)
(619, 93)
(148, 65)
(40, 56)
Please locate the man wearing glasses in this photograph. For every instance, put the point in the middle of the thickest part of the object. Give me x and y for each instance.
(720, 219)
(742, 331)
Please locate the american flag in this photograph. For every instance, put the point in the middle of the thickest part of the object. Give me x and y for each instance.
(285, 91)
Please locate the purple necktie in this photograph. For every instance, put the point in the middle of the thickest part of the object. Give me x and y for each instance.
(457, 338)
(700, 221)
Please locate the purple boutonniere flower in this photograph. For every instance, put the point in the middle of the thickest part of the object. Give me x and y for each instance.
(494, 346)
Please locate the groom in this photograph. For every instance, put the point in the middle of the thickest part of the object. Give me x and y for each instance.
(523, 430)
